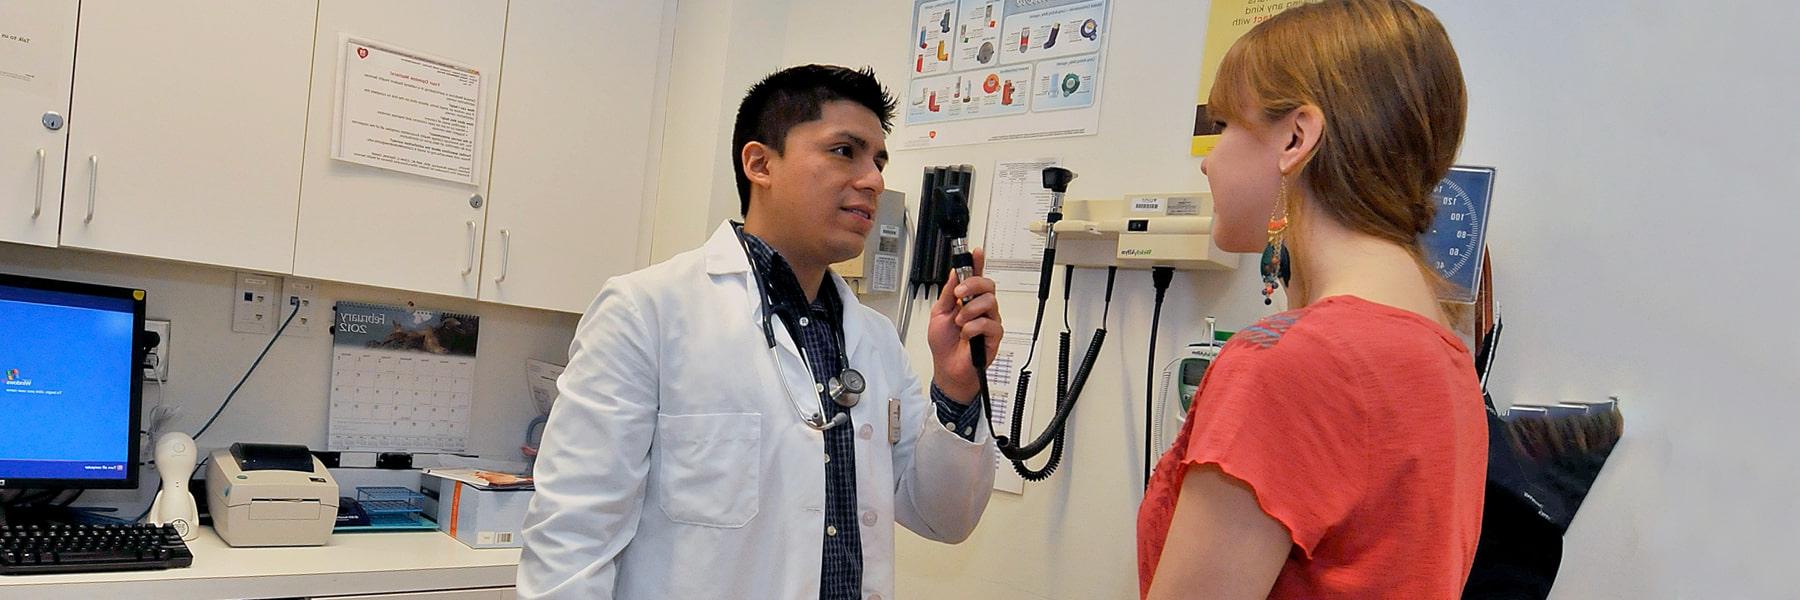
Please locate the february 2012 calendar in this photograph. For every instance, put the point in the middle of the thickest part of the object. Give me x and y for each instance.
(402, 379)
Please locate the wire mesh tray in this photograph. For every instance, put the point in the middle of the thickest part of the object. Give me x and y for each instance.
(390, 500)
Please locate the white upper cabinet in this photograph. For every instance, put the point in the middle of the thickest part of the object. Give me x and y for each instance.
(37, 54)
(394, 227)
(186, 130)
(572, 173)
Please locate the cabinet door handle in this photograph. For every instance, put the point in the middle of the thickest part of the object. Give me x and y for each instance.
(505, 254)
(93, 181)
(469, 260)
(38, 207)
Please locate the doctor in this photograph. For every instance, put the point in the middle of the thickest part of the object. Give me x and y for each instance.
(732, 422)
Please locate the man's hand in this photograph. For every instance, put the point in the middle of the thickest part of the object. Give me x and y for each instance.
(953, 323)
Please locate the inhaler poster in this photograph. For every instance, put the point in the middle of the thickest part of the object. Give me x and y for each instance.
(1003, 70)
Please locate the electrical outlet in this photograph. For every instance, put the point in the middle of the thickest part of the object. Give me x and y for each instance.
(156, 362)
(302, 297)
(256, 304)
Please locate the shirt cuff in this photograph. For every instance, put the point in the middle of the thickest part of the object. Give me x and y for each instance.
(960, 420)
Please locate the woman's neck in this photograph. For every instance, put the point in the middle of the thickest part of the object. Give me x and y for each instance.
(1333, 260)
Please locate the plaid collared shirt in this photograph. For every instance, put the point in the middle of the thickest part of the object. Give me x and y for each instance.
(816, 328)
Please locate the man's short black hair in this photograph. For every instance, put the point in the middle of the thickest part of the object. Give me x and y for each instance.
(794, 96)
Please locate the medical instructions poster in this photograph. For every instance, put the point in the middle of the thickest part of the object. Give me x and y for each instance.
(402, 111)
(1013, 253)
(1229, 20)
(1003, 70)
(402, 380)
(1003, 384)
(20, 61)
(34, 54)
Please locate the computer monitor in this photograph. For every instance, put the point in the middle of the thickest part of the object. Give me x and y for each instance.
(71, 384)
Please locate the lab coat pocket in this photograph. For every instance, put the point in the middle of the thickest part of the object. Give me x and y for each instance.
(709, 468)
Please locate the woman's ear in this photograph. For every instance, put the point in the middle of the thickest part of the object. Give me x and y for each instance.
(756, 157)
(1303, 127)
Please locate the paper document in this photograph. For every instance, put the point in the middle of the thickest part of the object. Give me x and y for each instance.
(401, 111)
(1014, 253)
(429, 462)
(1003, 383)
(20, 60)
(36, 54)
(487, 480)
(886, 276)
(541, 378)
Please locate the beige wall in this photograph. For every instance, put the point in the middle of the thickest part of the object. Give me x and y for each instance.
(286, 400)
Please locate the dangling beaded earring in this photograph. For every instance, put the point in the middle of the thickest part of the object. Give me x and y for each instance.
(1275, 270)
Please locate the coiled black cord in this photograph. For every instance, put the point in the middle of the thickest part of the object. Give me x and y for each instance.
(1067, 394)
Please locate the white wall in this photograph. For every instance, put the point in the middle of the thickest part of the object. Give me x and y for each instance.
(1647, 155)
(286, 400)
(719, 51)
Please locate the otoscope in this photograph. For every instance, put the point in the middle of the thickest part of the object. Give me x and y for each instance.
(954, 221)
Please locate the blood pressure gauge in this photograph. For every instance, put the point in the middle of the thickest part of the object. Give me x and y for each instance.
(1454, 244)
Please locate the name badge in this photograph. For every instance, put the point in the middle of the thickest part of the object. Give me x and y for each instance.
(893, 421)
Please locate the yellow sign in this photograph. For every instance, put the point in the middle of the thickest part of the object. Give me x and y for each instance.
(1230, 20)
(137, 294)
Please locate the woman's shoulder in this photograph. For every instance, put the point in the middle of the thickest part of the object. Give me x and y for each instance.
(1337, 340)
(1286, 350)
(1297, 334)
(1345, 325)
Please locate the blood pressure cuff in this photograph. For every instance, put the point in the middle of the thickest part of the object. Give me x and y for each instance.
(1520, 548)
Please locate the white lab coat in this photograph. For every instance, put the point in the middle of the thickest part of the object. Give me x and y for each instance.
(675, 466)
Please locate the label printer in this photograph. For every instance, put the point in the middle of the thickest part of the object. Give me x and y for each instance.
(271, 495)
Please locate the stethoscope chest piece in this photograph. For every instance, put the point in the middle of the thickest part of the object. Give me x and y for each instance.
(846, 388)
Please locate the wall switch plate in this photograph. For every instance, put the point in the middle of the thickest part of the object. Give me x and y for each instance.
(256, 304)
(156, 362)
(302, 297)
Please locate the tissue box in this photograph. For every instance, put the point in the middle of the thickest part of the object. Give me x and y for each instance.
(481, 518)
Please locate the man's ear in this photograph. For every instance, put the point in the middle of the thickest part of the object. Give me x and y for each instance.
(756, 157)
(1303, 128)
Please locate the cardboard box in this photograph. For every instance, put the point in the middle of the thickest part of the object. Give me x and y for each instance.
(481, 518)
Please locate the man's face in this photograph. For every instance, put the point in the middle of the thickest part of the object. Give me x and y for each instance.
(825, 184)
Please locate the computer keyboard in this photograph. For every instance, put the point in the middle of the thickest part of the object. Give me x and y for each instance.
(32, 549)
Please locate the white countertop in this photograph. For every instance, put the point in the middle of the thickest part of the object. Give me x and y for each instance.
(353, 563)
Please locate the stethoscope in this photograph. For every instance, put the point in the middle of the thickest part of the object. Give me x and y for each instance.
(845, 389)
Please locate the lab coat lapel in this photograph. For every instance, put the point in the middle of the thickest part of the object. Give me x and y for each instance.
(730, 267)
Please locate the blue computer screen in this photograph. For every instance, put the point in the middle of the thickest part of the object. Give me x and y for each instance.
(66, 373)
